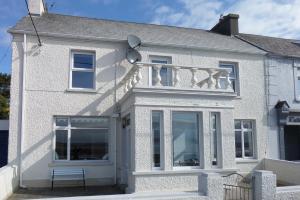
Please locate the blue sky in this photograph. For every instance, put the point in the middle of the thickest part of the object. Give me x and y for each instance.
(268, 17)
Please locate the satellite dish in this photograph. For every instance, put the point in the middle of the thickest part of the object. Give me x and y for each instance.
(133, 41)
(133, 56)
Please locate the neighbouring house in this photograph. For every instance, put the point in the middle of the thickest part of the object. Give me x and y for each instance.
(283, 94)
(195, 102)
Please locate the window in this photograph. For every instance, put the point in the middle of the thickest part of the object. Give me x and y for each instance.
(244, 145)
(165, 72)
(81, 138)
(214, 126)
(156, 137)
(232, 76)
(185, 139)
(82, 70)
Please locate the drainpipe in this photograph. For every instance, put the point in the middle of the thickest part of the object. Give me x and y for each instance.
(22, 112)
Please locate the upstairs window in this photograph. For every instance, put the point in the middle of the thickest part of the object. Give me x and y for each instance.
(297, 83)
(165, 72)
(82, 70)
(232, 68)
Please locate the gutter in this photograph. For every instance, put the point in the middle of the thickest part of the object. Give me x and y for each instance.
(22, 112)
(145, 44)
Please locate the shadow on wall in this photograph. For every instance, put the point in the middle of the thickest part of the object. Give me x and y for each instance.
(112, 68)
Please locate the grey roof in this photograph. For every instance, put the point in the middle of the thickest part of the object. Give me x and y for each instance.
(82, 27)
(273, 45)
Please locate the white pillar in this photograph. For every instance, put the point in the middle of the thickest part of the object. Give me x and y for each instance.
(176, 76)
(264, 185)
(194, 78)
(157, 78)
(211, 185)
(210, 80)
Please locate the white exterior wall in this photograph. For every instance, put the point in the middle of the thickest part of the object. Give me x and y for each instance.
(281, 87)
(47, 95)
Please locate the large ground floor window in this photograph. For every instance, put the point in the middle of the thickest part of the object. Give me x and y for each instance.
(81, 138)
(185, 130)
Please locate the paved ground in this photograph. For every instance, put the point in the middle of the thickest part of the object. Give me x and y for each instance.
(64, 192)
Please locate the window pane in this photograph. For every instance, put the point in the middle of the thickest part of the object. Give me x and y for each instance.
(90, 122)
(185, 139)
(214, 147)
(89, 144)
(247, 124)
(298, 85)
(230, 68)
(61, 144)
(238, 144)
(61, 121)
(237, 124)
(84, 61)
(248, 144)
(156, 132)
(83, 79)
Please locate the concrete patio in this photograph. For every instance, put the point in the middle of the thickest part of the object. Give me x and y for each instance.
(44, 193)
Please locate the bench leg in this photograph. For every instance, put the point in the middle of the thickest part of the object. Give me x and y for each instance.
(83, 176)
(52, 180)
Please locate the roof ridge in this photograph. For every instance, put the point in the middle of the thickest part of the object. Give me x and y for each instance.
(271, 37)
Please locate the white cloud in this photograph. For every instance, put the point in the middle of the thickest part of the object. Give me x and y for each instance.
(266, 17)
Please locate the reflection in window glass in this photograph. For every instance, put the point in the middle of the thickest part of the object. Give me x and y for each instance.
(156, 134)
(214, 137)
(83, 61)
(89, 144)
(248, 144)
(185, 139)
(61, 121)
(238, 144)
(61, 144)
(82, 79)
(232, 76)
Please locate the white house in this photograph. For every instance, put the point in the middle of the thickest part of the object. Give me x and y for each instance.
(283, 94)
(194, 103)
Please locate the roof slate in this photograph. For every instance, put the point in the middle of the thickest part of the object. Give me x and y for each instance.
(275, 46)
(73, 26)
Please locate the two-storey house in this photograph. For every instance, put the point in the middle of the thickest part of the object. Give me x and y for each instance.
(194, 102)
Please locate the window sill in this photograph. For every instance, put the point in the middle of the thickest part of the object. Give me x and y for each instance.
(79, 163)
(246, 160)
(81, 90)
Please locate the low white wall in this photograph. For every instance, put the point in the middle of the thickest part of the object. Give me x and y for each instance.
(8, 181)
(287, 172)
(4, 125)
(287, 193)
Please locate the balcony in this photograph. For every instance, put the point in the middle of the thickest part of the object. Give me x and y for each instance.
(188, 79)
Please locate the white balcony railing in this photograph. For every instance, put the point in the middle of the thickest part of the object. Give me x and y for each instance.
(201, 78)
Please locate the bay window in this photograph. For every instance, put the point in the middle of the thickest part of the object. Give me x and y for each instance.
(185, 130)
(81, 138)
(244, 135)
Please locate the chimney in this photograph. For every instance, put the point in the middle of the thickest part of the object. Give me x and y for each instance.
(36, 7)
(227, 25)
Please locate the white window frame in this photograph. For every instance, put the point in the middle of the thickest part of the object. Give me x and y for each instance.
(227, 65)
(68, 128)
(167, 59)
(199, 114)
(161, 140)
(72, 69)
(243, 130)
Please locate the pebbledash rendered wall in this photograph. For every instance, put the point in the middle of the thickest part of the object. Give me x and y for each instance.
(142, 100)
(282, 75)
(47, 95)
